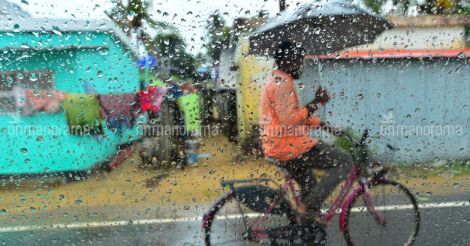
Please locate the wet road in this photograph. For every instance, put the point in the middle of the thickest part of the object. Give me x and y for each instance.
(448, 225)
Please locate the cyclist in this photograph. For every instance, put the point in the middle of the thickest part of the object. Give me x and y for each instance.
(285, 136)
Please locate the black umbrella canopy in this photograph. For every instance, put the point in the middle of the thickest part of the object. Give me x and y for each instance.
(320, 28)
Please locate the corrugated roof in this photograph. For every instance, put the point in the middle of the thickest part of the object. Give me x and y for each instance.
(390, 54)
(13, 18)
(429, 21)
(7, 8)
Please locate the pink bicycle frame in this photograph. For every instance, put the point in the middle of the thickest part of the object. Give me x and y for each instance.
(288, 185)
(330, 213)
(342, 195)
(341, 200)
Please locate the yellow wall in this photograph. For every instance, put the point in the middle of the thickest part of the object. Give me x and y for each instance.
(253, 72)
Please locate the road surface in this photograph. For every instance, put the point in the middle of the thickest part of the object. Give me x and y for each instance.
(445, 221)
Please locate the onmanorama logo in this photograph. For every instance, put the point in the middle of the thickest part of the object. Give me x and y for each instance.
(389, 128)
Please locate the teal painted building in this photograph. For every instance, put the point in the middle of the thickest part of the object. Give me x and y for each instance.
(71, 54)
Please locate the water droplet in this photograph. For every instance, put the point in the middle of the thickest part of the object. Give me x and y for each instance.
(39, 139)
(3, 211)
(424, 197)
(131, 15)
(33, 77)
(24, 150)
(317, 30)
(104, 51)
(16, 28)
(56, 30)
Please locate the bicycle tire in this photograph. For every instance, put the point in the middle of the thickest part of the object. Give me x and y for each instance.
(211, 216)
(411, 199)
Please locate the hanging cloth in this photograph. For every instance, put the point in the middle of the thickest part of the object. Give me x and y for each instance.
(152, 99)
(119, 109)
(31, 101)
(83, 114)
(189, 104)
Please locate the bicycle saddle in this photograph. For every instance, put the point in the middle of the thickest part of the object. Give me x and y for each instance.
(279, 164)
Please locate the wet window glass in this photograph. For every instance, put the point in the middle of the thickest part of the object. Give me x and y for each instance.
(248, 122)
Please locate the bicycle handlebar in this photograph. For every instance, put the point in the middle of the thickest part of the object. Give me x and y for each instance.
(359, 148)
(338, 132)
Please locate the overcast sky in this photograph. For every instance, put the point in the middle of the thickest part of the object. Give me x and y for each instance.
(189, 16)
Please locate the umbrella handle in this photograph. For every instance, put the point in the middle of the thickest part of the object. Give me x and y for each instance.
(320, 78)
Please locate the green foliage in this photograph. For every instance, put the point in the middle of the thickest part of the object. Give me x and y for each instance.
(345, 143)
(426, 170)
(173, 55)
(131, 17)
(461, 10)
(169, 43)
(374, 5)
(428, 7)
(219, 35)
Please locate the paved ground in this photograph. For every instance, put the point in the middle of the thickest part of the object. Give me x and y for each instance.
(440, 226)
(123, 195)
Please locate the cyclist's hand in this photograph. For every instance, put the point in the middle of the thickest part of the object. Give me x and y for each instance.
(321, 96)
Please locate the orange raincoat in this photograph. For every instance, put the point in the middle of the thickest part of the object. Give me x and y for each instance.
(284, 123)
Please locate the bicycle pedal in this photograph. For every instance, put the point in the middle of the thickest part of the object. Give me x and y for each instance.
(312, 234)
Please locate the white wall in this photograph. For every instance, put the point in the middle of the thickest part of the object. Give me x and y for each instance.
(419, 38)
(421, 107)
(227, 77)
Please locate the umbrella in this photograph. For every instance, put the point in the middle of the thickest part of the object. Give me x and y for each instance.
(320, 28)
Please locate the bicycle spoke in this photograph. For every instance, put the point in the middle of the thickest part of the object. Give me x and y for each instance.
(233, 225)
(385, 214)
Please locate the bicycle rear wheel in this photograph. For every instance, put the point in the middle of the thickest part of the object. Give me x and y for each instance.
(387, 214)
(230, 223)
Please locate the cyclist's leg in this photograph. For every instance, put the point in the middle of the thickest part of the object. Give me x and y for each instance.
(301, 170)
(302, 173)
(337, 163)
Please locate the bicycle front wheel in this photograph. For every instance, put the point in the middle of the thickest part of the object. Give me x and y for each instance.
(386, 213)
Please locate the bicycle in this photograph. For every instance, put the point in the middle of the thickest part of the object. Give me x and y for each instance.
(272, 219)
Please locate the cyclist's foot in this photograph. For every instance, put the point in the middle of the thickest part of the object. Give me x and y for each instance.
(302, 209)
(314, 216)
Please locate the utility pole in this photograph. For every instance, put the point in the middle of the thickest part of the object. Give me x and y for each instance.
(282, 5)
